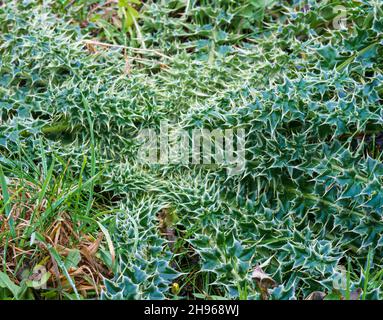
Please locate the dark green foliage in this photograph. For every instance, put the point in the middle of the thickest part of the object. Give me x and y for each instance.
(309, 96)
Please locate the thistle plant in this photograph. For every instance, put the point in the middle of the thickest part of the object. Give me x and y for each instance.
(308, 95)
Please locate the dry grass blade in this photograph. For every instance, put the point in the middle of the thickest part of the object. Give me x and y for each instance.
(138, 50)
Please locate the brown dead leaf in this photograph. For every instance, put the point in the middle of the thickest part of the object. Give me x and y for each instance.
(91, 48)
(264, 281)
(316, 295)
(93, 247)
(166, 226)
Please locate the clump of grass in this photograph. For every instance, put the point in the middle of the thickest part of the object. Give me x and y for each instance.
(50, 256)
